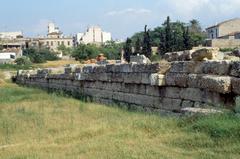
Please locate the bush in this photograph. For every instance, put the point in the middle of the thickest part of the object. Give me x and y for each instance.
(40, 56)
(218, 126)
(23, 61)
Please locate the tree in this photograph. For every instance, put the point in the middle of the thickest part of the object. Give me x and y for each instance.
(147, 47)
(137, 47)
(21, 61)
(195, 26)
(85, 52)
(64, 50)
(168, 35)
(128, 50)
(187, 39)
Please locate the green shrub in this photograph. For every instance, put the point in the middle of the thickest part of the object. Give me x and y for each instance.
(23, 61)
(40, 56)
(218, 126)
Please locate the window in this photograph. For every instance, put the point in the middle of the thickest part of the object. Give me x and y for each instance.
(58, 43)
(68, 43)
(62, 42)
(47, 43)
(51, 43)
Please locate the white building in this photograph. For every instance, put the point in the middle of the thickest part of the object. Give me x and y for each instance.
(94, 35)
(11, 35)
(7, 57)
(52, 28)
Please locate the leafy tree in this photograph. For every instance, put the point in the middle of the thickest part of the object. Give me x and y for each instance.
(168, 35)
(40, 55)
(85, 52)
(128, 50)
(187, 39)
(65, 50)
(137, 47)
(21, 61)
(147, 47)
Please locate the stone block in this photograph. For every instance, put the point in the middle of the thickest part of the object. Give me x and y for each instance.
(132, 78)
(206, 53)
(157, 80)
(236, 85)
(220, 84)
(153, 91)
(145, 78)
(182, 67)
(194, 94)
(88, 68)
(171, 92)
(187, 104)
(213, 67)
(117, 77)
(176, 79)
(171, 104)
(235, 69)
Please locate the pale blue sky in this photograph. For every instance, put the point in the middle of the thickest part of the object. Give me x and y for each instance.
(122, 18)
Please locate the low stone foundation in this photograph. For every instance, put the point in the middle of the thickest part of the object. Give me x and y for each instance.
(149, 87)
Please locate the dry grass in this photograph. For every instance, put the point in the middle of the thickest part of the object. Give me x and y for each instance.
(36, 125)
(55, 64)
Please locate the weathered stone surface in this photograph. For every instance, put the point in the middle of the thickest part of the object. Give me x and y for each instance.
(132, 78)
(183, 67)
(153, 91)
(88, 68)
(157, 80)
(171, 92)
(236, 85)
(171, 104)
(220, 84)
(213, 67)
(205, 111)
(187, 104)
(176, 79)
(140, 59)
(235, 69)
(193, 94)
(206, 53)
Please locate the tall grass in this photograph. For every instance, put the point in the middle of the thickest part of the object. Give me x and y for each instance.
(35, 125)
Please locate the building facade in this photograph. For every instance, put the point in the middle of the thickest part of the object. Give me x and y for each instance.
(11, 35)
(225, 34)
(225, 29)
(93, 35)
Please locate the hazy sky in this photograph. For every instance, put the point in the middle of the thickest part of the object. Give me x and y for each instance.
(122, 18)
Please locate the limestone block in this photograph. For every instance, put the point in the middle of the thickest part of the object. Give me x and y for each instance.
(140, 59)
(194, 94)
(116, 77)
(187, 104)
(236, 85)
(171, 104)
(132, 78)
(176, 79)
(213, 67)
(109, 68)
(78, 70)
(153, 91)
(145, 78)
(157, 80)
(126, 68)
(206, 53)
(182, 67)
(88, 68)
(221, 84)
(99, 69)
(98, 93)
(171, 92)
(104, 77)
(235, 69)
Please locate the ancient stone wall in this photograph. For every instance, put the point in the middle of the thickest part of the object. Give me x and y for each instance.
(150, 87)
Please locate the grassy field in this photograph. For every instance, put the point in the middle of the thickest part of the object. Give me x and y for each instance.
(48, 64)
(37, 125)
